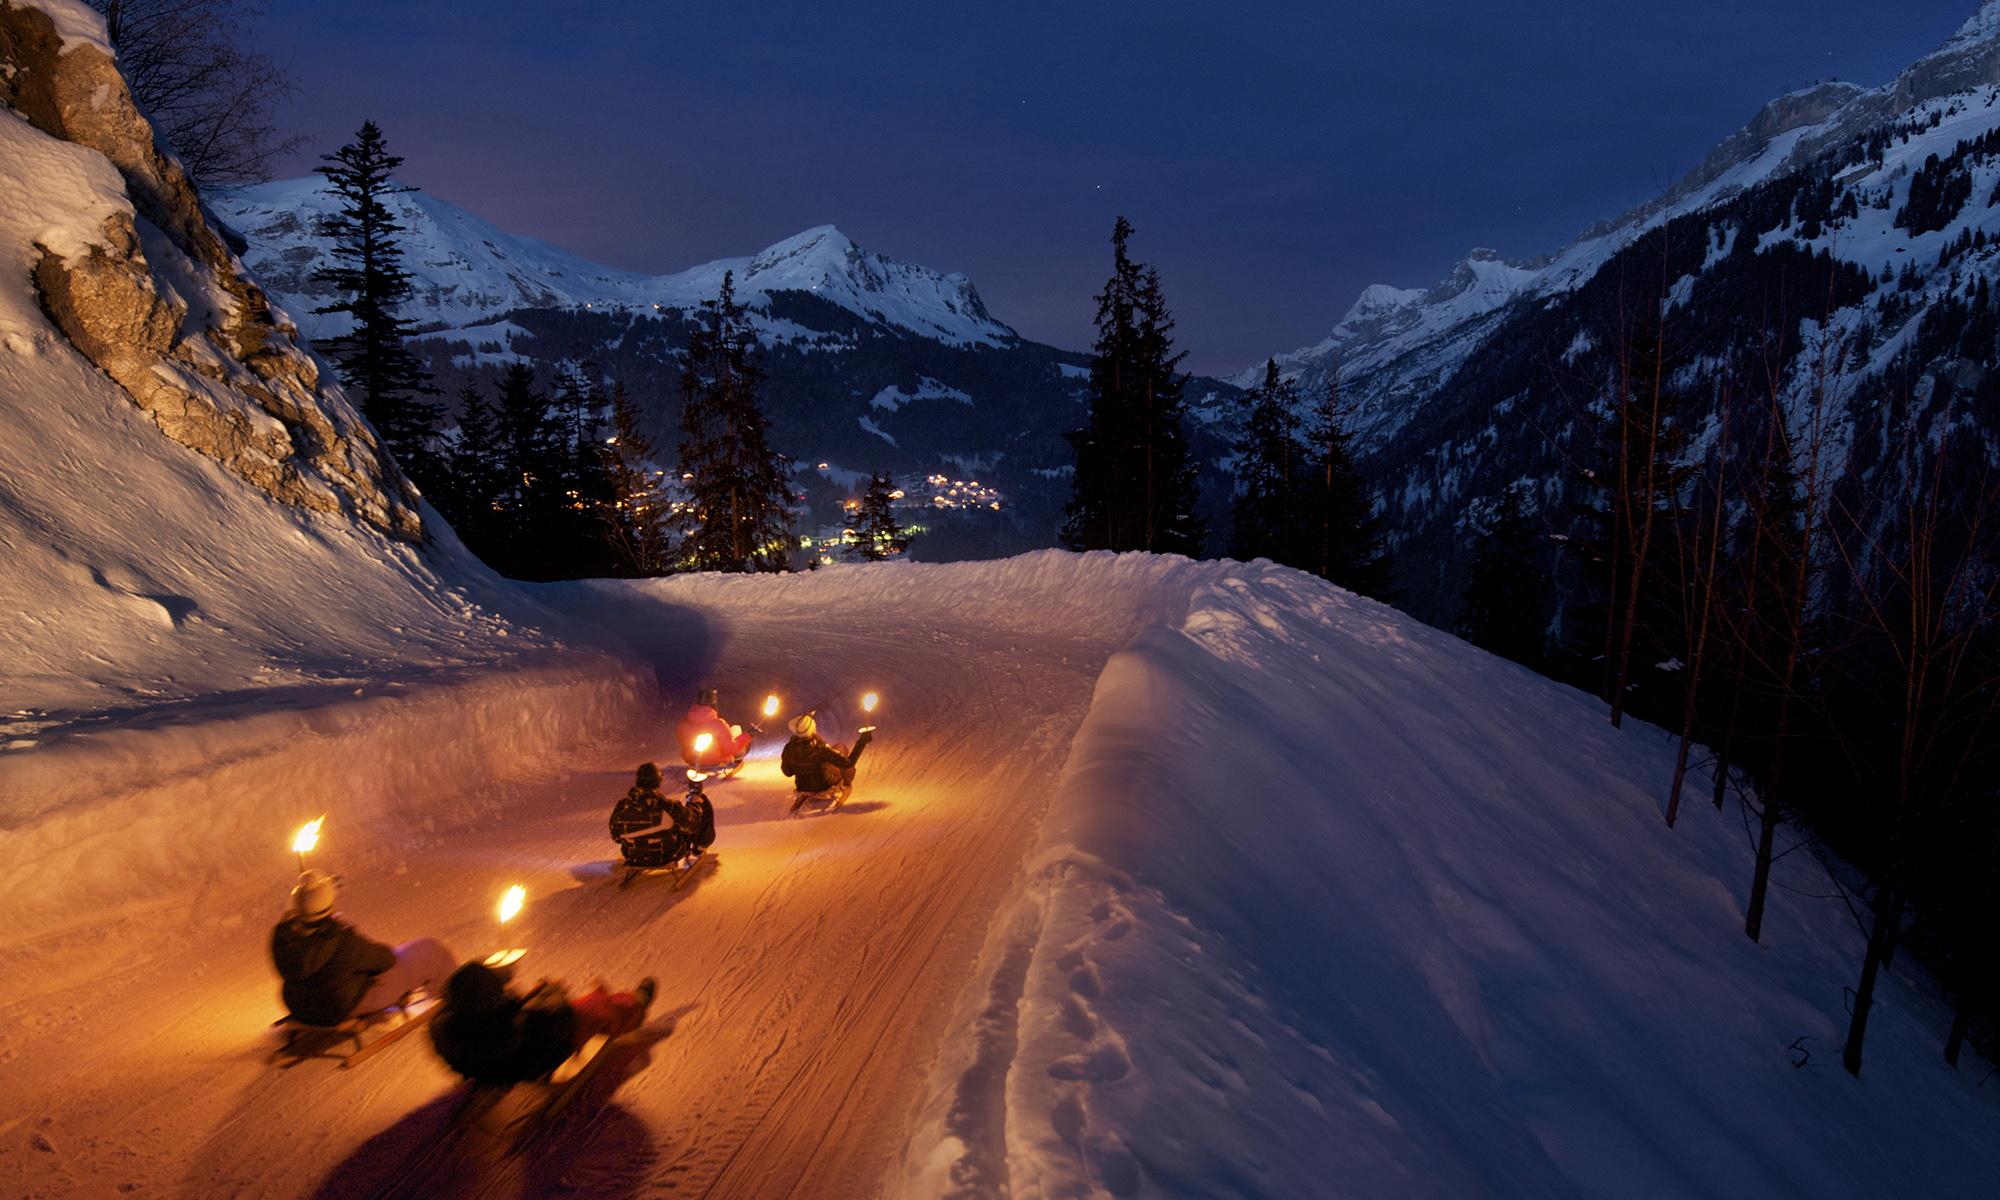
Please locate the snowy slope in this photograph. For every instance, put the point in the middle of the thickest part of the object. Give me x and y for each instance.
(1330, 903)
(175, 636)
(469, 272)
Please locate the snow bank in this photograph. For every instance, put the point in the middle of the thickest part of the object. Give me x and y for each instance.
(204, 798)
(188, 663)
(1328, 902)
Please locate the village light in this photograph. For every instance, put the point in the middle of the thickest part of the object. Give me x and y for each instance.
(306, 838)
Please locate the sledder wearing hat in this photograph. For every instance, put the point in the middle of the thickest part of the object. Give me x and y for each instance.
(332, 972)
(816, 765)
(727, 743)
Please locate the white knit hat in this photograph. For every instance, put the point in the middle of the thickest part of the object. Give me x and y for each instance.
(313, 898)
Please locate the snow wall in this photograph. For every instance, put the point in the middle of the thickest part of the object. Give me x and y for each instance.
(1331, 903)
(122, 816)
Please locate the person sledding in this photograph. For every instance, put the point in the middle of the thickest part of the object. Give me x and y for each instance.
(495, 1036)
(727, 744)
(331, 972)
(818, 768)
(653, 829)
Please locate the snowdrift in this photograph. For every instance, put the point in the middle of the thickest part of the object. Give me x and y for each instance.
(1330, 903)
(218, 607)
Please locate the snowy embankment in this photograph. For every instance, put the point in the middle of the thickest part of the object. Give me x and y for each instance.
(218, 613)
(1330, 903)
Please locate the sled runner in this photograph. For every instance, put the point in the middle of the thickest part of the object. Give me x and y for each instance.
(680, 871)
(832, 798)
(303, 1040)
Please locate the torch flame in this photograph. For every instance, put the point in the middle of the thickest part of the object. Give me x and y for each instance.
(869, 701)
(308, 836)
(771, 705)
(702, 741)
(510, 904)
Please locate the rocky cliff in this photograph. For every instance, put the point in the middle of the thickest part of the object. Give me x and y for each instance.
(155, 299)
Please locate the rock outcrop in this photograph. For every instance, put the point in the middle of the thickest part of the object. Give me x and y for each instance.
(161, 305)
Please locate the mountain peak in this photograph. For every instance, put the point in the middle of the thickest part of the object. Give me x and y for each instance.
(469, 271)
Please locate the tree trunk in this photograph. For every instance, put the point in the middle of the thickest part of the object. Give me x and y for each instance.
(1760, 878)
(1888, 914)
(1955, 1041)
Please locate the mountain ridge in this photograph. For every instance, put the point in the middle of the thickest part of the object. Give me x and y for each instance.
(470, 272)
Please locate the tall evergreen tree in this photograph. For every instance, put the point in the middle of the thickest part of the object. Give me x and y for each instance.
(1134, 487)
(474, 479)
(738, 512)
(529, 475)
(1269, 476)
(1507, 605)
(880, 534)
(1342, 530)
(367, 273)
(633, 511)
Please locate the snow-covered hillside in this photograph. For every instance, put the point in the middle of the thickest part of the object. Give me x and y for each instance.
(469, 272)
(212, 579)
(1394, 343)
(1852, 231)
(1330, 903)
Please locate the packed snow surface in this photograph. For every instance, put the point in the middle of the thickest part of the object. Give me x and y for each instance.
(1315, 901)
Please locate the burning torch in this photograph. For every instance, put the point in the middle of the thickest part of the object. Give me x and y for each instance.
(305, 839)
(511, 904)
(868, 702)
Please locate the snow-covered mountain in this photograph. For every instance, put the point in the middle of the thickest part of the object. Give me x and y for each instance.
(470, 272)
(1804, 216)
(842, 328)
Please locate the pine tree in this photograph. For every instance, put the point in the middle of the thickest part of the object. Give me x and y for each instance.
(1343, 534)
(633, 512)
(1134, 487)
(1269, 476)
(529, 476)
(367, 273)
(473, 491)
(738, 513)
(576, 421)
(881, 535)
(1507, 605)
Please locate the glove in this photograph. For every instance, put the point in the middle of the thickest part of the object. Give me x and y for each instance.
(864, 739)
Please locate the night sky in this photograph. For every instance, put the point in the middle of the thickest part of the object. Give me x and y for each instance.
(1275, 157)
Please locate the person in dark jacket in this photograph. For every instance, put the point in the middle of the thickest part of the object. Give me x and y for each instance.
(816, 765)
(331, 972)
(650, 827)
(496, 1037)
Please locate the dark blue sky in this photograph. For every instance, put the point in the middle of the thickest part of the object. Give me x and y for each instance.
(1275, 158)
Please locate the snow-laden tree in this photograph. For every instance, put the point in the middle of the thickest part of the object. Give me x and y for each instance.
(737, 516)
